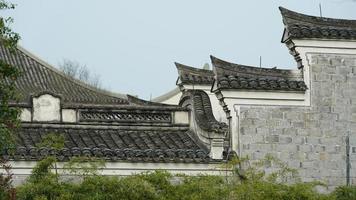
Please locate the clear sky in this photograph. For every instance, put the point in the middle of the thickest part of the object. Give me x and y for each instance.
(133, 44)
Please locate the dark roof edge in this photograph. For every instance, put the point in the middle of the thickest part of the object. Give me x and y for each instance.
(82, 84)
(103, 126)
(131, 106)
(315, 19)
(219, 63)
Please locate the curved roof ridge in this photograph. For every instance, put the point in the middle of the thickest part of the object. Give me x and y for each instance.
(233, 67)
(74, 80)
(234, 76)
(299, 25)
(286, 13)
(192, 75)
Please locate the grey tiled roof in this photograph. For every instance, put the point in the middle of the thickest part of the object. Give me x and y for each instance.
(191, 75)
(38, 77)
(235, 76)
(135, 145)
(304, 26)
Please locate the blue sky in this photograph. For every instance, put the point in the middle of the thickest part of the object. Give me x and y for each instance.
(133, 44)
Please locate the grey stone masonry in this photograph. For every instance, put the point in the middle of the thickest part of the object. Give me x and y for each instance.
(310, 139)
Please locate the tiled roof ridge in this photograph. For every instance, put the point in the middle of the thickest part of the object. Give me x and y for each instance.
(192, 75)
(303, 26)
(260, 71)
(234, 76)
(286, 13)
(73, 80)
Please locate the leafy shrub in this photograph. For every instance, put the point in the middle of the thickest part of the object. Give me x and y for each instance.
(345, 193)
(256, 190)
(43, 184)
(201, 188)
(112, 188)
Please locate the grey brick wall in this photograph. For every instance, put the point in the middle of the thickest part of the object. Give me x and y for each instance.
(311, 139)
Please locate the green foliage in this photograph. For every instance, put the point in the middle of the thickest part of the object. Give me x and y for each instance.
(279, 172)
(256, 190)
(8, 75)
(42, 170)
(8, 37)
(161, 181)
(201, 188)
(160, 185)
(45, 188)
(128, 188)
(84, 166)
(54, 141)
(345, 193)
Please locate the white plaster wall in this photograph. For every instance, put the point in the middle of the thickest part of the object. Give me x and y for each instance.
(25, 115)
(127, 168)
(69, 115)
(181, 117)
(46, 108)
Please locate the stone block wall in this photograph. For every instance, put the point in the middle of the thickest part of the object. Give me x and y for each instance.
(311, 139)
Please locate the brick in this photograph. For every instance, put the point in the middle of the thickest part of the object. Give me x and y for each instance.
(322, 60)
(305, 148)
(307, 164)
(312, 140)
(248, 131)
(272, 139)
(285, 140)
(277, 115)
(290, 131)
(262, 131)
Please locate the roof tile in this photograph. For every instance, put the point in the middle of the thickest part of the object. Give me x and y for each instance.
(38, 77)
(300, 26)
(112, 144)
(191, 75)
(235, 76)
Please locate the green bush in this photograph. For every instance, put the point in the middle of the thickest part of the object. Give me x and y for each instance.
(112, 188)
(345, 193)
(159, 185)
(201, 188)
(43, 184)
(256, 190)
